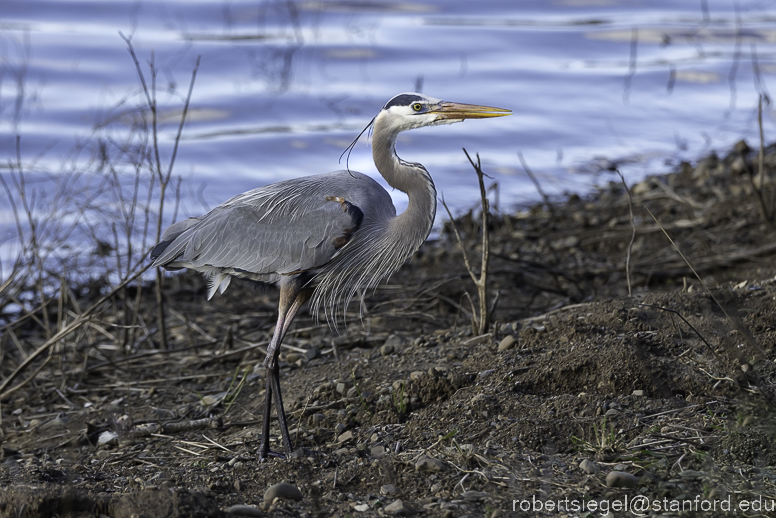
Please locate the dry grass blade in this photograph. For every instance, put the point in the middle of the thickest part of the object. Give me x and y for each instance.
(633, 234)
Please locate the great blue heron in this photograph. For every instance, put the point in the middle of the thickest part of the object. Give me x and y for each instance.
(322, 237)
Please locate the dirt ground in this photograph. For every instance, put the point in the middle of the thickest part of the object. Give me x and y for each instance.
(582, 401)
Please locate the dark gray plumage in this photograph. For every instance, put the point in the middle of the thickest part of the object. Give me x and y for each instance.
(319, 237)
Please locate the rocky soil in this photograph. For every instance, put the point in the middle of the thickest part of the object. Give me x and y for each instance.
(586, 397)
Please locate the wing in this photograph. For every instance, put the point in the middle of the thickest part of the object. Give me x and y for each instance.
(285, 228)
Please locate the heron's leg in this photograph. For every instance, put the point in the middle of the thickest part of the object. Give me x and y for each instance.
(291, 299)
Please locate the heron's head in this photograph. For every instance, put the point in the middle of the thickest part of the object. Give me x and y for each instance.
(411, 110)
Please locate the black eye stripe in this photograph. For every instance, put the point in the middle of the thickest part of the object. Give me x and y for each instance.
(402, 100)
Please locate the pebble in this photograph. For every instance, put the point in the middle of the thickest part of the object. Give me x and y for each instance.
(621, 479)
(339, 428)
(318, 418)
(108, 437)
(353, 392)
(282, 490)
(399, 508)
(437, 372)
(588, 466)
(386, 350)
(361, 507)
(345, 436)
(416, 375)
(429, 464)
(341, 387)
(388, 489)
(394, 341)
(378, 452)
(638, 393)
(691, 473)
(293, 357)
(244, 510)
(474, 495)
(507, 343)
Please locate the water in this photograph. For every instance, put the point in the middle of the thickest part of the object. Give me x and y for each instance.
(284, 86)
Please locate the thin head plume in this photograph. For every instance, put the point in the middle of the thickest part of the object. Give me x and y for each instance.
(349, 149)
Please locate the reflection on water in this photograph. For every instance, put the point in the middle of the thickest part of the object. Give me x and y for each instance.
(284, 85)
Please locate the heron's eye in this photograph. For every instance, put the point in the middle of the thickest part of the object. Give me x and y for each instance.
(417, 107)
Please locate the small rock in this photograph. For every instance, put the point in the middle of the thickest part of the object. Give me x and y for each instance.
(621, 479)
(486, 373)
(345, 437)
(394, 341)
(497, 513)
(244, 510)
(429, 464)
(377, 452)
(437, 372)
(611, 412)
(738, 166)
(691, 473)
(339, 428)
(342, 451)
(399, 508)
(386, 350)
(282, 490)
(102, 454)
(361, 507)
(589, 467)
(388, 489)
(353, 392)
(293, 357)
(506, 343)
(718, 492)
(107, 437)
(416, 375)
(507, 329)
(638, 393)
(317, 418)
(742, 147)
(341, 387)
(300, 452)
(474, 495)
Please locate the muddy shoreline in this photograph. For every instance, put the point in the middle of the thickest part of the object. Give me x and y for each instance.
(581, 394)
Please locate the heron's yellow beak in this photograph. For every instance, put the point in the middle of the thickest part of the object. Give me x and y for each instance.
(459, 111)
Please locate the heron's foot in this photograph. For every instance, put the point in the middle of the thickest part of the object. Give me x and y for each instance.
(265, 457)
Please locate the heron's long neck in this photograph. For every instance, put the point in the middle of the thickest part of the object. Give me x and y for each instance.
(411, 228)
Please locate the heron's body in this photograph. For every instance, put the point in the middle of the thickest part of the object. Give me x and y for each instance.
(290, 229)
(322, 237)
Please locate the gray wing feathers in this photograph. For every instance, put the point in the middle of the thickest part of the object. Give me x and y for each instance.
(282, 228)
